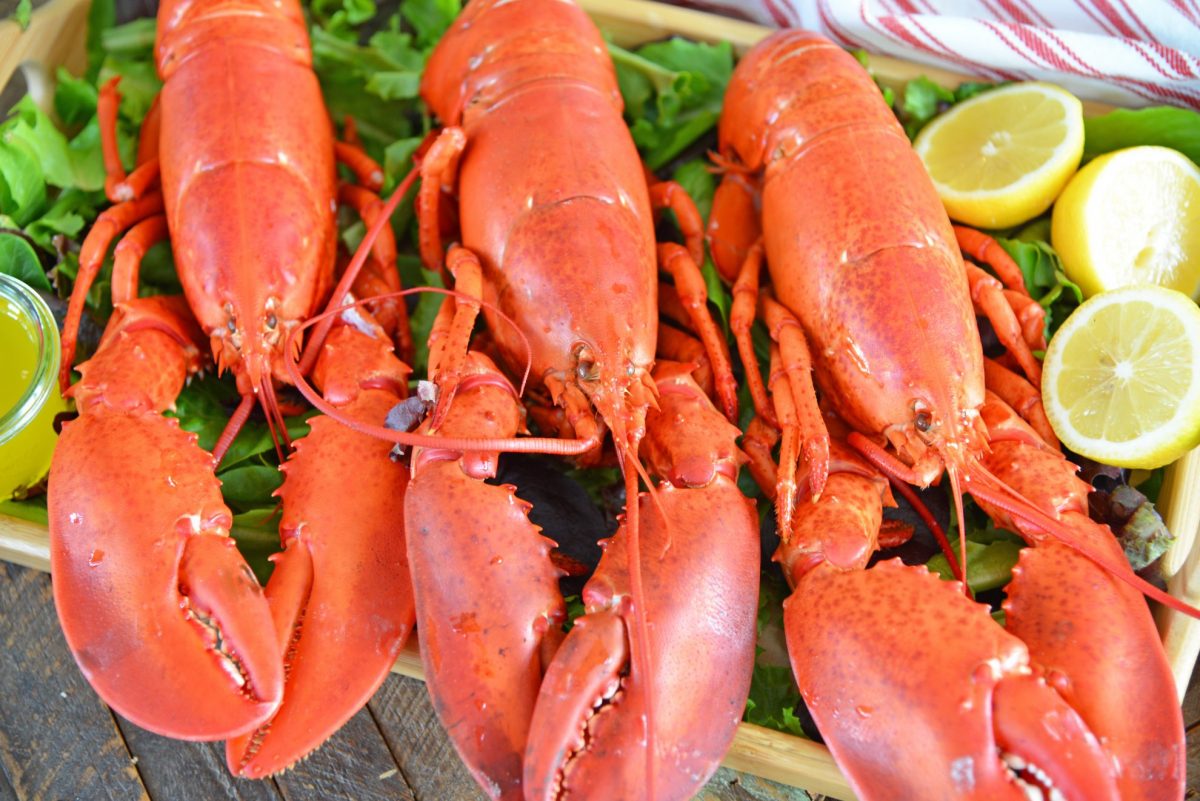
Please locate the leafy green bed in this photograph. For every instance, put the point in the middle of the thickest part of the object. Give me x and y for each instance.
(369, 64)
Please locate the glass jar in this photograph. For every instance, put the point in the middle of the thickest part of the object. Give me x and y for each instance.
(29, 394)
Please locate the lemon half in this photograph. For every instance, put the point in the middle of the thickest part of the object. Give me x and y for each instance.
(1121, 380)
(1131, 217)
(1002, 157)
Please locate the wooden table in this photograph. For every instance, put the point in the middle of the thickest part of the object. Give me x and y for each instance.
(58, 742)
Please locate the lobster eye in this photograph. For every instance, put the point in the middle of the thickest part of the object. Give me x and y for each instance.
(271, 321)
(924, 421)
(585, 363)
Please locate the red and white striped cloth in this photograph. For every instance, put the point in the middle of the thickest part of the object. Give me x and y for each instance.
(1128, 52)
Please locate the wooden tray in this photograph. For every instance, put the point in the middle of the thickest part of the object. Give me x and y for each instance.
(55, 36)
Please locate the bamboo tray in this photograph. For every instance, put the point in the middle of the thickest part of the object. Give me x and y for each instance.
(55, 37)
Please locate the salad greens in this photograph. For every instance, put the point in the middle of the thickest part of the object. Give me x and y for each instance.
(673, 92)
(1175, 128)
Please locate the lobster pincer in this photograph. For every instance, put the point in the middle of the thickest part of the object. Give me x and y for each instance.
(699, 548)
(340, 593)
(490, 610)
(917, 691)
(164, 617)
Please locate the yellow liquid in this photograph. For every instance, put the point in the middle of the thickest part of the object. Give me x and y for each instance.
(25, 450)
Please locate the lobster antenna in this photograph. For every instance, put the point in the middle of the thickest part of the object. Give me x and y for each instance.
(996, 492)
(548, 445)
(232, 427)
(353, 269)
(914, 500)
(275, 421)
(956, 486)
(632, 470)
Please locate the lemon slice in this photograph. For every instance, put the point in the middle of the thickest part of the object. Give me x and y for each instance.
(1121, 381)
(1131, 217)
(1002, 157)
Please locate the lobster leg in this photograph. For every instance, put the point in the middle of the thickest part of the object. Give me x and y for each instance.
(700, 577)
(670, 195)
(987, 295)
(108, 226)
(438, 169)
(1031, 316)
(118, 186)
(486, 591)
(677, 346)
(383, 278)
(366, 171)
(162, 614)
(1022, 396)
(967, 721)
(127, 258)
(341, 562)
(734, 225)
(689, 285)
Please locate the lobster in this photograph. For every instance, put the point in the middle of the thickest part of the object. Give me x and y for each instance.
(871, 302)
(162, 614)
(557, 234)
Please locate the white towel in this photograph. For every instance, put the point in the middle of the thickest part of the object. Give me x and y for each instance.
(1127, 52)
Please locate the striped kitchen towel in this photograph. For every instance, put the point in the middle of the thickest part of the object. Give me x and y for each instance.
(1129, 52)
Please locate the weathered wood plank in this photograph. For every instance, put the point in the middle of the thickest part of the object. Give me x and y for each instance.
(419, 744)
(175, 769)
(57, 740)
(355, 763)
(729, 785)
(7, 793)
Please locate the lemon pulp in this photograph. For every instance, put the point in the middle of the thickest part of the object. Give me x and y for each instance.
(1121, 383)
(1001, 157)
(1131, 217)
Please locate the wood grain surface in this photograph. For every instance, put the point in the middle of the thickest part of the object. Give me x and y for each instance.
(58, 742)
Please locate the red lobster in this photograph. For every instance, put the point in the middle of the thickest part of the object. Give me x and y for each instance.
(870, 297)
(557, 234)
(162, 614)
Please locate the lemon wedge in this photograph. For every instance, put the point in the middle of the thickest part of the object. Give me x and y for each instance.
(1002, 157)
(1121, 381)
(1131, 217)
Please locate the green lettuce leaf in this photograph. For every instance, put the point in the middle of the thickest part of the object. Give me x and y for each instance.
(673, 92)
(1175, 128)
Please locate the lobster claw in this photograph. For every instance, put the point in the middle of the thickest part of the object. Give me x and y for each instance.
(163, 616)
(919, 694)
(700, 567)
(340, 593)
(487, 594)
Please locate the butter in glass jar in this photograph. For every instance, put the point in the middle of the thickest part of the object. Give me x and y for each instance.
(29, 394)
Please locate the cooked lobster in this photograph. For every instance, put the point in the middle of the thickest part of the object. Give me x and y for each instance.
(870, 298)
(557, 235)
(158, 607)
